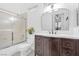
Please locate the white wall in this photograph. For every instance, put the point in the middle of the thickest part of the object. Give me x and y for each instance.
(34, 18)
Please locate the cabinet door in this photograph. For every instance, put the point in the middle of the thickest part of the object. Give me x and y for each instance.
(55, 42)
(46, 45)
(77, 47)
(39, 45)
(67, 47)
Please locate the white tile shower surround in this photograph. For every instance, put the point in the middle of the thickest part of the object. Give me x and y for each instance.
(22, 49)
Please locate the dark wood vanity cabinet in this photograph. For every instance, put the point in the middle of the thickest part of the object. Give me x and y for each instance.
(52, 46)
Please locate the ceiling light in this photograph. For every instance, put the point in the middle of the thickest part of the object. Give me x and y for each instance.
(47, 9)
(54, 7)
(12, 19)
(57, 6)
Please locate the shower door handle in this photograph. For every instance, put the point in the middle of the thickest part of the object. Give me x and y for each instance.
(12, 38)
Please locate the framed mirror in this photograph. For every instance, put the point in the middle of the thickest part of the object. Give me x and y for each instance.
(55, 20)
(61, 19)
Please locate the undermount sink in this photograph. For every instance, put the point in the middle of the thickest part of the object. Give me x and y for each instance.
(50, 34)
(73, 33)
(63, 34)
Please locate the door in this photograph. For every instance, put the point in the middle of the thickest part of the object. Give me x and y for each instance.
(46, 46)
(39, 45)
(42, 45)
(77, 47)
(67, 47)
(55, 44)
(5, 30)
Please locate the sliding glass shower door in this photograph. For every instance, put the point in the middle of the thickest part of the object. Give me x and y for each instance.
(5, 30)
(18, 31)
(12, 30)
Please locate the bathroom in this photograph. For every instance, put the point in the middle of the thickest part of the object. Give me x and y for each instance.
(22, 24)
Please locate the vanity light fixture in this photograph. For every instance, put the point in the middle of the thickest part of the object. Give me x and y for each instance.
(54, 7)
(57, 6)
(48, 9)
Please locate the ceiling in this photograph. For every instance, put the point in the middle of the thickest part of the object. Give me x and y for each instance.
(18, 8)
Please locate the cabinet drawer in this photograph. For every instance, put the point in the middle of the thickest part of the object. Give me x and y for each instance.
(39, 52)
(67, 52)
(67, 47)
(68, 44)
(38, 38)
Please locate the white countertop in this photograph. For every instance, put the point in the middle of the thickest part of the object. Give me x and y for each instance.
(59, 35)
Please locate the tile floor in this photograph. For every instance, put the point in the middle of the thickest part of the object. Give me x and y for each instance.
(22, 49)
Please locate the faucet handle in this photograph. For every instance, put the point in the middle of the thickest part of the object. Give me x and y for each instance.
(49, 32)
